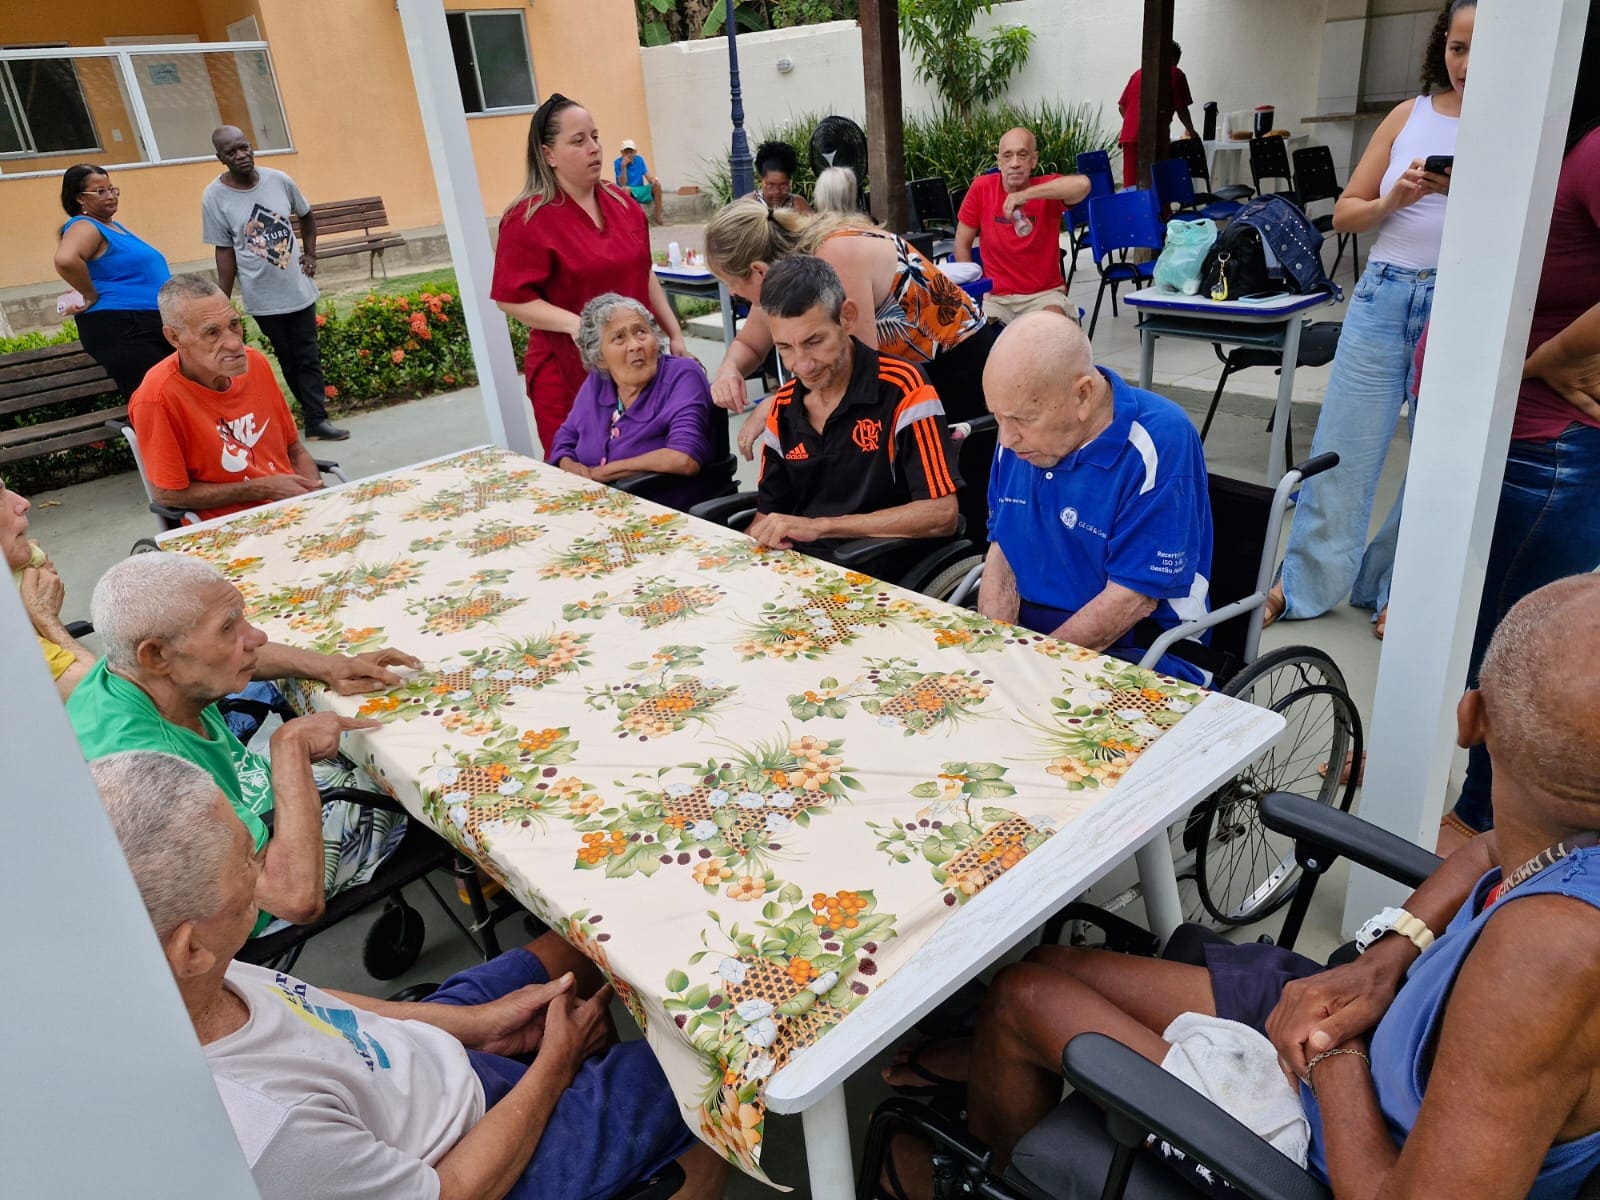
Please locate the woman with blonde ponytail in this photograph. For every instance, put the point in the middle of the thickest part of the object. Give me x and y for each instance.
(907, 307)
(568, 238)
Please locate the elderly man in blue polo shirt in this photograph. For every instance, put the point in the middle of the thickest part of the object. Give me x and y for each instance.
(1099, 521)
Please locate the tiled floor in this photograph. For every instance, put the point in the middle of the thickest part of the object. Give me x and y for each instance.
(88, 527)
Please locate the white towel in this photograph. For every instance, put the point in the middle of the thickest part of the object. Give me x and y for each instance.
(961, 272)
(1237, 1069)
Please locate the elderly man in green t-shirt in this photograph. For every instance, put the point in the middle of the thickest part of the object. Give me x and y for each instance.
(176, 641)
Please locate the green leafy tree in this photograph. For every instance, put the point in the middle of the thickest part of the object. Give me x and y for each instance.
(967, 71)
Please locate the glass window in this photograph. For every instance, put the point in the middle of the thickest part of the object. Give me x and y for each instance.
(143, 104)
(492, 62)
(45, 112)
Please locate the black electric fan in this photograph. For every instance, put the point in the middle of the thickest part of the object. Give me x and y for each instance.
(839, 142)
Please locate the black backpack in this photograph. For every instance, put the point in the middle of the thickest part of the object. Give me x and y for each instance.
(1269, 246)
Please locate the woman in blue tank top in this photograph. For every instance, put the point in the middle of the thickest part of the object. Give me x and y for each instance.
(118, 276)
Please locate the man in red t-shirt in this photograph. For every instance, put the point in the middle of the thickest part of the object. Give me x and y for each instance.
(215, 432)
(1016, 220)
(1128, 106)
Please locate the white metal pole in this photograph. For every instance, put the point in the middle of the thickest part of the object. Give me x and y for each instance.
(92, 1018)
(444, 122)
(1513, 125)
(141, 114)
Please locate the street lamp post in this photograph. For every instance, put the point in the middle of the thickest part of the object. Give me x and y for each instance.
(739, 161)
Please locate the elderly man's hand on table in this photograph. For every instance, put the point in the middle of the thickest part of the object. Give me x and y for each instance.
(356, 674)
(780, 531)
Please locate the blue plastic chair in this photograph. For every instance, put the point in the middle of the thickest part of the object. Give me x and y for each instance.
(1119, 223)
(1097, 162)
(1077, 217)
(1174, 188)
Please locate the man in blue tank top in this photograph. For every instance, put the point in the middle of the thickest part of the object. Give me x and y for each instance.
(1459, 1055)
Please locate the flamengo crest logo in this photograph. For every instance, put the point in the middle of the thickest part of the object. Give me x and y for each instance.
(866, 434)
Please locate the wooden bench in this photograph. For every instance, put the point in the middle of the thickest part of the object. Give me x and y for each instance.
(365, 215)
(56, 375)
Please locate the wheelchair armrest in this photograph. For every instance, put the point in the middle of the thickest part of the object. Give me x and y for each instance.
(979, 424)
(78, 629)
(177, 516)
(364, 799)
(857, 551)
(1320, 827)
(329, 467)
(642, 483)
(724, 509)
(1140, 1098)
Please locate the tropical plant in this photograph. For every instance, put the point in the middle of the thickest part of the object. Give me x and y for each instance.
(966, 70)
(944, 143)
(663, 21)
(957, 147)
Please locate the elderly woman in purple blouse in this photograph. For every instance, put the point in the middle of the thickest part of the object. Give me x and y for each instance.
(640, 409)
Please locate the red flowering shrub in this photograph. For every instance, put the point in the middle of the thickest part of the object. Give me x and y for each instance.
(396, 347)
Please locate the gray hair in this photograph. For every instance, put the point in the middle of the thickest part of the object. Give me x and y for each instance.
(1539, 695)
(176, 293)
(797, 284)
(148, 596)
(161, 809)
(597, 315)
(836, 191)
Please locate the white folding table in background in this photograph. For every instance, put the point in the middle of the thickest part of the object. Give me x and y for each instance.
(1273, 322)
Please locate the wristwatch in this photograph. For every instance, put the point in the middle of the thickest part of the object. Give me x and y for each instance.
(1393, 920)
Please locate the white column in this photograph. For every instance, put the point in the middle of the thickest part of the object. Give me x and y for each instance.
(94, 1023)
(1514, 121)
(455, 174)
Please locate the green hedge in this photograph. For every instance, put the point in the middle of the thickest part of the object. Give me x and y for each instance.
(943, 144)
(385, 350)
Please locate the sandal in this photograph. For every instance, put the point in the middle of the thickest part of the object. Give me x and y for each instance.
(1344, 775)
(935, 1084)
(1276, 605)
(1378, 625)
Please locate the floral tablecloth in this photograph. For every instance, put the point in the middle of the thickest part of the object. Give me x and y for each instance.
(748, 784)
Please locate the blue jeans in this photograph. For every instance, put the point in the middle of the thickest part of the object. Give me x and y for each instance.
(1548, 527)
(1370, 381)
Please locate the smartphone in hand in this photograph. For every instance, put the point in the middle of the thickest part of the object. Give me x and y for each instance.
(1438, 164)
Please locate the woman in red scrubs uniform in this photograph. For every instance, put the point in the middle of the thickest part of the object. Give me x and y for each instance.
(566, 239)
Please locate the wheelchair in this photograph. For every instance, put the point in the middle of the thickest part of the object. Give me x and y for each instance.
(1233, 870)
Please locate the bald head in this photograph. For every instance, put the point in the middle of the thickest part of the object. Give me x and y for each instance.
(1042, 387)
(1040, 354)
(1017, 157)
(1540, 695)
(235, 152)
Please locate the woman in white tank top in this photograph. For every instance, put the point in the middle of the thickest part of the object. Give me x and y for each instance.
(1392, 193)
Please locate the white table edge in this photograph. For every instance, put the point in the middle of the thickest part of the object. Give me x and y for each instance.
(1219, 737)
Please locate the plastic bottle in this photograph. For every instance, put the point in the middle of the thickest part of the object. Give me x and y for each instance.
(1022, 223)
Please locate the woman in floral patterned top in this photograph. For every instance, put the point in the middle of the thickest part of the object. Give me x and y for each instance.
(907, 306)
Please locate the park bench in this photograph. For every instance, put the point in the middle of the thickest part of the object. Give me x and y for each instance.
(364, 215)
(63, 376)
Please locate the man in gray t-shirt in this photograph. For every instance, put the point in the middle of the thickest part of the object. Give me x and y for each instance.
(248, 214)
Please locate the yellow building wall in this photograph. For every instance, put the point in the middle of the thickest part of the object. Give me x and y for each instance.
(345, 81)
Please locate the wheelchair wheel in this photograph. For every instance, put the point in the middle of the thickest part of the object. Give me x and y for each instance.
(943, 585)
(394, 942)
(1243, 871)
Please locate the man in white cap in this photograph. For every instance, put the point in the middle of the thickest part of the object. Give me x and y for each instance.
(633, 173)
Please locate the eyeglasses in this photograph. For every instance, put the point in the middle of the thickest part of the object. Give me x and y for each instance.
(102, 192)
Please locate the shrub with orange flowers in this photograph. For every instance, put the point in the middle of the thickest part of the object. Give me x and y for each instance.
(396, 347)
